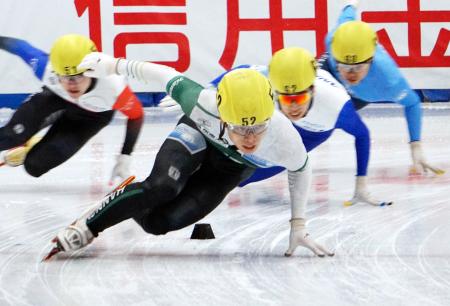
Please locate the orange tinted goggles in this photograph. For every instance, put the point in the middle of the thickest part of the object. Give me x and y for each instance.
(299, 98)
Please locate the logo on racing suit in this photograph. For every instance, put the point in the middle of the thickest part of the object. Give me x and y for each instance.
(175, 83)
(106, 201)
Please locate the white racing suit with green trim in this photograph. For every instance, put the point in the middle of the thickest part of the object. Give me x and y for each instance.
(198, 165)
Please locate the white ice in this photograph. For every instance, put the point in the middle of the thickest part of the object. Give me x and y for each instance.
(397, 255)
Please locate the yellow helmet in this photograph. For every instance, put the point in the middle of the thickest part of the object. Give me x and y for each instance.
(292, 70)
(244, 97)
(353, 42)
(68, 51)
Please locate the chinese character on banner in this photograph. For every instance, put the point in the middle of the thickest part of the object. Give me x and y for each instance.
(414, 17)
(122, 40)
(95, 22)
(275, 24)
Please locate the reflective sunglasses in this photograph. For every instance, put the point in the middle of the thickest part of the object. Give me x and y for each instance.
(77, 78)
(244, 130)
(298, 98)
(354, 67)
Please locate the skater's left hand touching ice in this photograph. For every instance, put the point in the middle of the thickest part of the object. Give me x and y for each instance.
(121, 170)
(362, 194)
(420, 166)
(299, 237)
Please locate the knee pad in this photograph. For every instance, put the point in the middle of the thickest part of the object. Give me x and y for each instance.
(154, 226)
(34, 167)
(40, 161)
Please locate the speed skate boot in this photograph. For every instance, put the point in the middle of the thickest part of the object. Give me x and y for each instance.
(16, 156)
(72, 238)
(78, 235)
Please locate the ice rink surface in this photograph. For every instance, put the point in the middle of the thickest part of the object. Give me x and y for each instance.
(396, 255)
